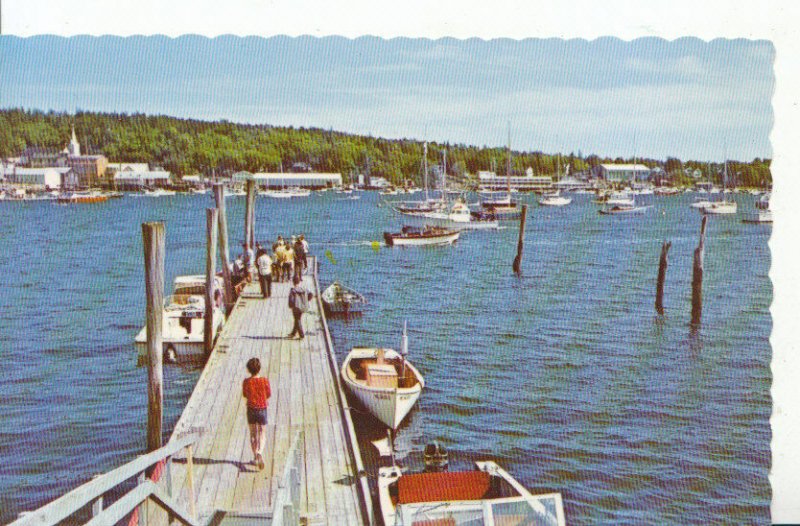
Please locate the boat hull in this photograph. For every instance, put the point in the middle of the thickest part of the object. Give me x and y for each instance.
(398, 240)
(443, 221)
(387, 404)
(178, 344)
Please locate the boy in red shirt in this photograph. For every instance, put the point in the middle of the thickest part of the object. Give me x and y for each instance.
(256, 390)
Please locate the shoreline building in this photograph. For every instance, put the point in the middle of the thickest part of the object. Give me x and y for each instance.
(87, 170)
(135, 176)
(621, 173)
(274, 181)
(524, 183)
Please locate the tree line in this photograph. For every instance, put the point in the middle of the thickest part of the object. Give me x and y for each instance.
(189, 146)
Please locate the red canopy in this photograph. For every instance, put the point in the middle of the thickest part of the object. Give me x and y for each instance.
(436, 487)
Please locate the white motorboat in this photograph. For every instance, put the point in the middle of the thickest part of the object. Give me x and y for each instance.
(183, 325)
(416, 237)
(90, 196)
(486, 495)
(554, 199)
(338, 299)
(286, 193)
(761, 213)
(700, 203)
(385, 383)
(199, 190)
(620, 199)
(458, 217)
(158, 192)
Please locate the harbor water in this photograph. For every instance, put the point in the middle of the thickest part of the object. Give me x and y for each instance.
(563, 375)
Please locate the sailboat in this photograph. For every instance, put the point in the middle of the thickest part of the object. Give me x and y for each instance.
(504, 207)
(624, 204)
(427, 205)
(457, 216)
(724, 206)
(555, 198)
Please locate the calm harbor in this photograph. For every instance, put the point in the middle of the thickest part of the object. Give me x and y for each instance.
(565, 376)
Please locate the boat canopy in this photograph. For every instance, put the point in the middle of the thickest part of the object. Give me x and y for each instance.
(539, 510)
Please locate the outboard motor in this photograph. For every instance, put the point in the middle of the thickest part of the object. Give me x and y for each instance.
(436, 457)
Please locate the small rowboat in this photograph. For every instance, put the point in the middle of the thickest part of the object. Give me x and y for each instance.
(428, 235)
(385, 383)
(338, 299)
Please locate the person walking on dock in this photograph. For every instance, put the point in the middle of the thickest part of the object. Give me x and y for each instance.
(264, 264)
(298, 303)
(280, 258)
(299, 258)
(257, 391)
(288, 262)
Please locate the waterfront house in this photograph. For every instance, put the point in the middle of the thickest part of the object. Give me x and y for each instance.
(130, 179)
(528, 182)
(50, 177)
(620, 173)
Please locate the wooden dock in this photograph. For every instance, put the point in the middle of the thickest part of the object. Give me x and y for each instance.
(306, 397)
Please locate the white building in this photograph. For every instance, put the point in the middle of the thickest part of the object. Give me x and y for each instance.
(194, 180)
(528, 182)
(48, 177)
(139, 179)
(131, 167)
(288, 180)
(618, 173)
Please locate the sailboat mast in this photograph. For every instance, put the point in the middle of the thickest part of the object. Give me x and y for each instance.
(508, 163)
(444, 176)
(425, 169)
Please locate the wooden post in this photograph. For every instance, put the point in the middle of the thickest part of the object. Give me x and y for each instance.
(662, 274)
(190, 482)
(211, 272)
(219, 197)
(517, 266)
(252, 192)
(248, 213)
(697, 276)
(153, 237)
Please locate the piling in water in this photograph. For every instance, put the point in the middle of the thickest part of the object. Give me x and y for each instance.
(697, 276)
(153, 240)
(211, 271)
(219, 197)
(248, 214)
(253, 195)
(662, 274)
(521, 240)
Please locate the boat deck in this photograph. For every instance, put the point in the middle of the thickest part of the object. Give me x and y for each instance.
(306, 396)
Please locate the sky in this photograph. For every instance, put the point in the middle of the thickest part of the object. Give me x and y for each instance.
(647, 97)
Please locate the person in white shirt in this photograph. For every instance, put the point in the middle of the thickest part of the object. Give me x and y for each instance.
(264, 265)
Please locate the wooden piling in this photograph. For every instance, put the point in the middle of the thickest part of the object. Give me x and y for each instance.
(252, 238)
(211, 271)
(248, 214)
(153, 239)
(662, 274)
(697, 276)
(521, 240)
(219, 197)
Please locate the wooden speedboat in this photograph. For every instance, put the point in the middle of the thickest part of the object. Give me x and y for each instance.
(622, 209)
(338, 299)
(425, 236)
(183, 325)
(82, 197)
(384, 382)
(486, 495)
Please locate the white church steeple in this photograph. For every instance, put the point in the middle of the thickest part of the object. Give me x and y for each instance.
(74, 147)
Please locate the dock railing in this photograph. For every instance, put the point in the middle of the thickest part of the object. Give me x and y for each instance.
(147, 469)
(286, 508)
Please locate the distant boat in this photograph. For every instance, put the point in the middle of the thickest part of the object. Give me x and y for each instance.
(286, 193)
(183, 325)
(199, 190)
(158, 192)
(700, 203)
(761, 212)
(555, 198)
(426, 236)
(458, 217)
(82, 197)
(724, 206)
(486, 495)
(385, 383)
(338, 299)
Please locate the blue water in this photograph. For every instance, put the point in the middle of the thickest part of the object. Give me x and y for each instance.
(565, 375)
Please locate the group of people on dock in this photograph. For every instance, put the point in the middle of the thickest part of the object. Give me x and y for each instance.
(287, 260)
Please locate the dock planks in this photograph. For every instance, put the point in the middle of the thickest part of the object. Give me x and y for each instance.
(305, 396)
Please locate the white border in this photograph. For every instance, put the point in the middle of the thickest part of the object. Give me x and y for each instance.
(774, 20)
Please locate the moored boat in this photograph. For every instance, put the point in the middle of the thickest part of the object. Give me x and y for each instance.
(554, 199)
(425, 236)
(458, 217)
(385, 383)
(183, 325)
(485, 495)
(82, 197)
(338, 299)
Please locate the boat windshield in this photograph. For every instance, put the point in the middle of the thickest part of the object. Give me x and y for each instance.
(539, 510)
